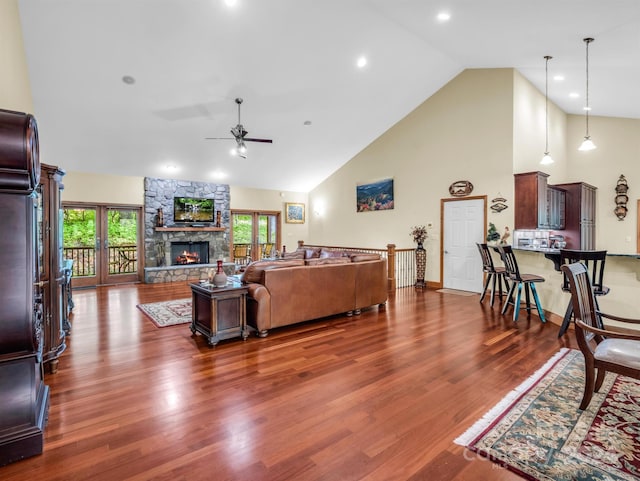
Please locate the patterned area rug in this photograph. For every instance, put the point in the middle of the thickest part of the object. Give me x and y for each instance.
(539, 433)
(168, 313)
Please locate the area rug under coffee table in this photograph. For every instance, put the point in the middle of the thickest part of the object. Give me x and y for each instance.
(168, 313)
(539, 432)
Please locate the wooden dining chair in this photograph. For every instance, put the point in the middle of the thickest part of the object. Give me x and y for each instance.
(241, 254)
(612, 349)
(594, 261)
(267, 250)
(518, 281)
(493, 274)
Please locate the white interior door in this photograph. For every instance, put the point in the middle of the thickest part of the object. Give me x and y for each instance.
(464, 222)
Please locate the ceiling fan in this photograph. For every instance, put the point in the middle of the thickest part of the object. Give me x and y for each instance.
(239, 134)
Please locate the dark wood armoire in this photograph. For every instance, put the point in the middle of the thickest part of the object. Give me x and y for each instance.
(51, 275)
(24, 398)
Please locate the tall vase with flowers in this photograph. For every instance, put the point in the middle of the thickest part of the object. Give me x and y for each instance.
(419, 234)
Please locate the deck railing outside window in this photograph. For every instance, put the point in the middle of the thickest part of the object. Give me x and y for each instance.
(122, 260)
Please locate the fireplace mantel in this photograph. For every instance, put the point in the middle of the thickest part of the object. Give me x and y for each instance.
(190, 229)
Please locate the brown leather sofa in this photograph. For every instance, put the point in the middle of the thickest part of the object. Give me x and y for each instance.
(288, 291)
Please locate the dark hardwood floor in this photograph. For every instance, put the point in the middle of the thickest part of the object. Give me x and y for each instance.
(380, 396)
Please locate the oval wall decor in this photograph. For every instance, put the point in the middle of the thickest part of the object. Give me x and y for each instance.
(460, 188)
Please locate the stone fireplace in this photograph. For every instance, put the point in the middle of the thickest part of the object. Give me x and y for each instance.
(160, 260)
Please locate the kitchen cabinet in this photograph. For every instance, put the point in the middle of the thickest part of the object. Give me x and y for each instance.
(556, 201)
(580, 228)
(537, 204)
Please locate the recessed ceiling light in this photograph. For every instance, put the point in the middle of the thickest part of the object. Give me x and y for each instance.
(574, 95)
(443, 17)
(219, 175)
(586, 108)
(171, 167)
(362, 61)
(128, 79)
(558, 78)
(230, 3)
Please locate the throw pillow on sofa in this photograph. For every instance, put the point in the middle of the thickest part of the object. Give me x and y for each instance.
(253, 272)
(325, 253)
(297, 254)
(311, 252)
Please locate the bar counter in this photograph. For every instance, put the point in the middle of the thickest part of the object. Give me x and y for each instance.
(621, 275)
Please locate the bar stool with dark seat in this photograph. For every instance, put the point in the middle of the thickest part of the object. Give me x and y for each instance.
(594, 262)
(519, 280)
(493, 273)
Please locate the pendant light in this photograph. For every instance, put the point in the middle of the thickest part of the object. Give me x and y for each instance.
(546, 159)
(587, 143)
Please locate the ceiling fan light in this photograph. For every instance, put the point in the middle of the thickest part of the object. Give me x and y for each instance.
(547, 159)
(587, 144)
(242, 149)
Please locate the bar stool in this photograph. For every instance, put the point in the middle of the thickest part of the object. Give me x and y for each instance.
(594, 262)
(493, 273)
(519, 280)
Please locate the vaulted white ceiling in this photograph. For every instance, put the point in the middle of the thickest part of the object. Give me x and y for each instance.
(292, 61)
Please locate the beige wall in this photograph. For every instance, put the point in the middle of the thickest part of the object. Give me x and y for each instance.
(116, 189)
(264, 199)
(15, 91)
(99, 188)
(618, 152)
(529, 132)
(463, 132)
(484, 126)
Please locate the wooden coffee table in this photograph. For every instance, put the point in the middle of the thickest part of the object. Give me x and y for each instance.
(219, 312)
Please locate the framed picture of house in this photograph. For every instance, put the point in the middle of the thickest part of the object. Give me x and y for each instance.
(294, 213)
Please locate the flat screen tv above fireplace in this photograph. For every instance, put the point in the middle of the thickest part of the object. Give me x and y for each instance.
(192, 209)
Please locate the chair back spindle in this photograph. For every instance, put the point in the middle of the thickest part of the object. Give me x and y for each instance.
(594, 262)
(510, 262)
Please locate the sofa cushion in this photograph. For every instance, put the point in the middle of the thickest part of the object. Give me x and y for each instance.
(327, 260)
(324, 253)
(253, 272)
(362, 256)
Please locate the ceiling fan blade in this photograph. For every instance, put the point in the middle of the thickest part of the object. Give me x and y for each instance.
(266, 141)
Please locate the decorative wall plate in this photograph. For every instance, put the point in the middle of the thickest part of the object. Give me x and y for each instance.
(461, 188)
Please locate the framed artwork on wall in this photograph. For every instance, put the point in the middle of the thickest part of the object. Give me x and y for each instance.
(294, 213)
(372, 196)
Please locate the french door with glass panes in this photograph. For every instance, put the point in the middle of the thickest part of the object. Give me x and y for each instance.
(254, 235)
(103, 242)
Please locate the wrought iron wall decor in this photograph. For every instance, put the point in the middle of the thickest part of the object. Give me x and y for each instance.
(498, 204)
(621, 198)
